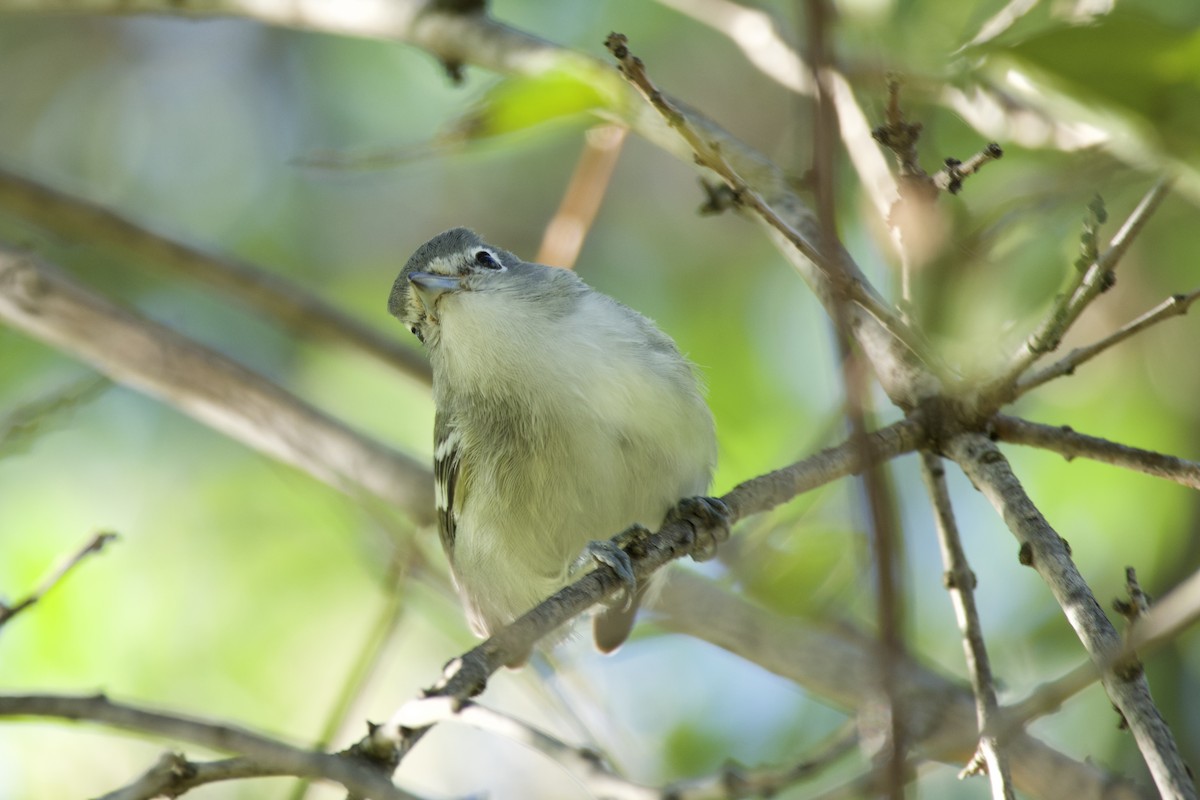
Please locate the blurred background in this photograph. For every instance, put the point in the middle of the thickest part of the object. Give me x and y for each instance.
(243, 589)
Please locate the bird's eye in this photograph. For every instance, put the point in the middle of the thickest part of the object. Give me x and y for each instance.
(487, 259)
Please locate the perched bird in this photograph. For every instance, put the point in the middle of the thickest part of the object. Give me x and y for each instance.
(562, 417)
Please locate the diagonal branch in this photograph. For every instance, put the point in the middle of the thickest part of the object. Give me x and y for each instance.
(94, 545)
(1174, 306)
(838, 270)
(273, 757)
(274, 296)
(1068, 443)
(46, 304)
(1046, 551)
(1093, 280)
(467, 675)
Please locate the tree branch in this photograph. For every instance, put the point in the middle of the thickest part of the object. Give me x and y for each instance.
(46, 304)
(1066, 442)
(94, 545)
(1046, 551)
(959, 579)
(273, 757)
(1093, 280)
(1174, 306)
(272, 295)
(467, 676)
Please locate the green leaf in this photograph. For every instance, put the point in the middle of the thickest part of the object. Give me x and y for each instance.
(524, 102)
(1132, 64)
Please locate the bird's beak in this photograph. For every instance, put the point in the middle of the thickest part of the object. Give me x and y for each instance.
(429, 286)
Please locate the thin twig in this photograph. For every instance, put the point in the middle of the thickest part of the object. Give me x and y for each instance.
(1070, 444)
(1174, 306)
(1046, 551)
(373, 649)
(1090, 283)
(24, 423)
(960, 582)
(1161, 623)
(94, 545)
(272, 756)
(173, 775)
(45, 303)
(834, 263)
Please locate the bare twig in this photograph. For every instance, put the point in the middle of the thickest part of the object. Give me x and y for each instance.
(23, 423)
(46, 304)
(273, 757)
(953, 172)
(93, 545)
(1174, 306)
(1070, 444)
(1092, 281)
(1044, 550)
(274, 296)
(173, 775)
(372, 651)
(960, 581)
(847, 282)
(576, 212)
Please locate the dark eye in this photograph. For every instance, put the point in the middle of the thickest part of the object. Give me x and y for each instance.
(485, 258)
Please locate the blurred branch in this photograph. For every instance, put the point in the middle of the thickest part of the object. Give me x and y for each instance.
(882, 529)
(1068, 443)
(959, 579)
(277, 298)
(467, 676)
(369, 655)
(1164, 620)
(590, 769)
(568, 227)
(1174, 306)
(272, 757)
(93, 546)
(1046, 551)
(46, 304)
(835, 664)
(26, 421)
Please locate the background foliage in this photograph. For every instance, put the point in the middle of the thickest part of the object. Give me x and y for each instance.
(244, 589)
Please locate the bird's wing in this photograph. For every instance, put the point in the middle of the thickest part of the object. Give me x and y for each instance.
(447, 461)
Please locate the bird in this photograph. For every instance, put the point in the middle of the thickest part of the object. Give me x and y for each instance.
(562, 417)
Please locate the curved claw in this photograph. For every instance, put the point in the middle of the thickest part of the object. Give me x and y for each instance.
(709, 518)
(610, 554)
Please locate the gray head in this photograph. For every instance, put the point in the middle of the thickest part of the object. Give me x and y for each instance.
(459, 261)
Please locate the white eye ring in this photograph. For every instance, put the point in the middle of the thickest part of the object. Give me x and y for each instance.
(487, 259)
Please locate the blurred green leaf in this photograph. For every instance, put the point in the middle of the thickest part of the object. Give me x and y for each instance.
(523, 102)
(1130, 63)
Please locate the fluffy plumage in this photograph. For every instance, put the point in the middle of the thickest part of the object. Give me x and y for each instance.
(562, 417)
